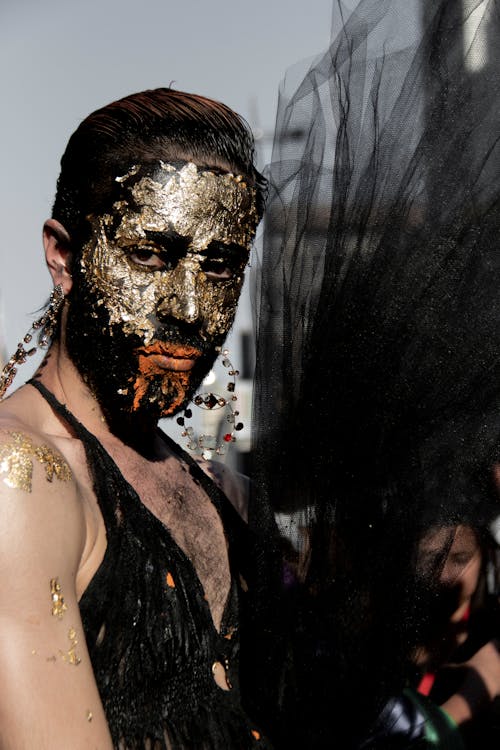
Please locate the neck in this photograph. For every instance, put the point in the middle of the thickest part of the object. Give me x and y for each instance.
(60, 376)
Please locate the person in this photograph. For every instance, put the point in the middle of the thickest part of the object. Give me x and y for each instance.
(450, 701)
(126, 570)
(458, 661)
(377, 402)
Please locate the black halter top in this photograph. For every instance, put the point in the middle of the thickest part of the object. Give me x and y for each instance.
(149, 631)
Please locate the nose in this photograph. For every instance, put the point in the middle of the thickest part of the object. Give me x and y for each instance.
(181, 299)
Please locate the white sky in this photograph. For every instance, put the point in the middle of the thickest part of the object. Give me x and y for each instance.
(61, 59)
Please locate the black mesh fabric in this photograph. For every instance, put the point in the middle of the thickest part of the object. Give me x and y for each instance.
(152, 641)
(377, 401)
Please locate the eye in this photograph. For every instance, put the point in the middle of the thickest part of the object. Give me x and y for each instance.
(223, 261)
(459, 559)
(146, 258)
(217, 269)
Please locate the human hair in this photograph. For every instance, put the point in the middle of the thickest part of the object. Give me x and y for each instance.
(158, 124)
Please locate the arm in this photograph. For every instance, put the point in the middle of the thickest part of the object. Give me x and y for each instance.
(480, 685)
(48, 696)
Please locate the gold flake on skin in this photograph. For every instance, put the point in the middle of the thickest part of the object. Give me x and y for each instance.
(16, 462)
(201, 205)
(71, 657)
(212, 218)
(58, 605)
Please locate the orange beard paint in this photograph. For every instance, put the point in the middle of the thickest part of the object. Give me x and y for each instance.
(175, 381)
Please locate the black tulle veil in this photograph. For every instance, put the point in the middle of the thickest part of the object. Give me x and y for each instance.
(377, 402)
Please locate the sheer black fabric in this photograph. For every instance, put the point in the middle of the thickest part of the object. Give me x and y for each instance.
(377, 405)
(148, 627)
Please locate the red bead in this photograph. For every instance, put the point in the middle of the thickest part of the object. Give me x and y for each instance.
(228, 437)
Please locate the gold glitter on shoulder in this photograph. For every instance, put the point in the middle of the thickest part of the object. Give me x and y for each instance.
(16, 462)
(71, 657)
(58, 605)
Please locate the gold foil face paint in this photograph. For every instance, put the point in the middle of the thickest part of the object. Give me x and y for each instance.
(194, 223)
(58, 605)
(16, 462)
(198, 204)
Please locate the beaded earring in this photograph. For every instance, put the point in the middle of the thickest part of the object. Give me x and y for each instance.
(204, 444)
(46, 325)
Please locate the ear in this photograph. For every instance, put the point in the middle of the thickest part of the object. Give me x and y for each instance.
(56, 242)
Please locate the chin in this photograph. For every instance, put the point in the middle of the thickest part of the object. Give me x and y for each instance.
(165, 393)
(128, 385)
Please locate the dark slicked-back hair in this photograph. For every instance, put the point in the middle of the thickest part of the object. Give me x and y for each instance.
(143, 128)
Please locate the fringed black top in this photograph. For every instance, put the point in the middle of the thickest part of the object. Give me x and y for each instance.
(149, 630)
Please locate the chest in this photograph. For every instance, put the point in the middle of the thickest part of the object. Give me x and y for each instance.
(175, 496)
(151, 610)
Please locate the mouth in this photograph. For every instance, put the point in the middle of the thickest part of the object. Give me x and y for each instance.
(171, 357)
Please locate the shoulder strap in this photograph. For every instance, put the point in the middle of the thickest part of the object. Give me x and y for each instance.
(108, 481)
(63, 411)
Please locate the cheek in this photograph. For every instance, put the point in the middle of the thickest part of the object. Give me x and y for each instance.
(218, 304)
(470, 578)
(129, 298)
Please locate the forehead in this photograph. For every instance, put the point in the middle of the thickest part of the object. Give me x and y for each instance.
(199, 204)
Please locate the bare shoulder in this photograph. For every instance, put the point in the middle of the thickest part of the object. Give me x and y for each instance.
(24, 442)
(45, 483)
(21, 450)
(41, 529)
(233, 484)
(43, 655)
(38, 492)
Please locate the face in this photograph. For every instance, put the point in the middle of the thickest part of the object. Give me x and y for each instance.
(459, 579)
(158, 283)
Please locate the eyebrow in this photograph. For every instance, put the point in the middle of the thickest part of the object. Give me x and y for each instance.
(216, 247)
(168, 240)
